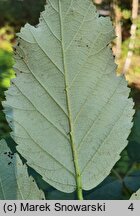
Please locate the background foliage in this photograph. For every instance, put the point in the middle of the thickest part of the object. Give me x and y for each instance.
(125, 176)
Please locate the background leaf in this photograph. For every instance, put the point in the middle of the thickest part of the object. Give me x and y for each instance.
(136, 196)
(15, 183)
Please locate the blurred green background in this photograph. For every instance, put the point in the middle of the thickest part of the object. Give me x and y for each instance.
(125, 176)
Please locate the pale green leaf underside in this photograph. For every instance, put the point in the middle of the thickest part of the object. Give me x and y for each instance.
(15, 183)
(135, 196)
(66, 83)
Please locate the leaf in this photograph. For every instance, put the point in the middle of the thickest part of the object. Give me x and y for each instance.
(71, 115)
(136, 196)
(15, 184)
(133, 147)
(109, 189)
(132, 181)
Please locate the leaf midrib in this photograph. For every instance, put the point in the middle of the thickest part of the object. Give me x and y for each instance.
(72, 143)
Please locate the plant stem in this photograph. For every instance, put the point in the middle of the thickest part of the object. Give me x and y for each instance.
(79, 194)
(117, 175)
(77, 170)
